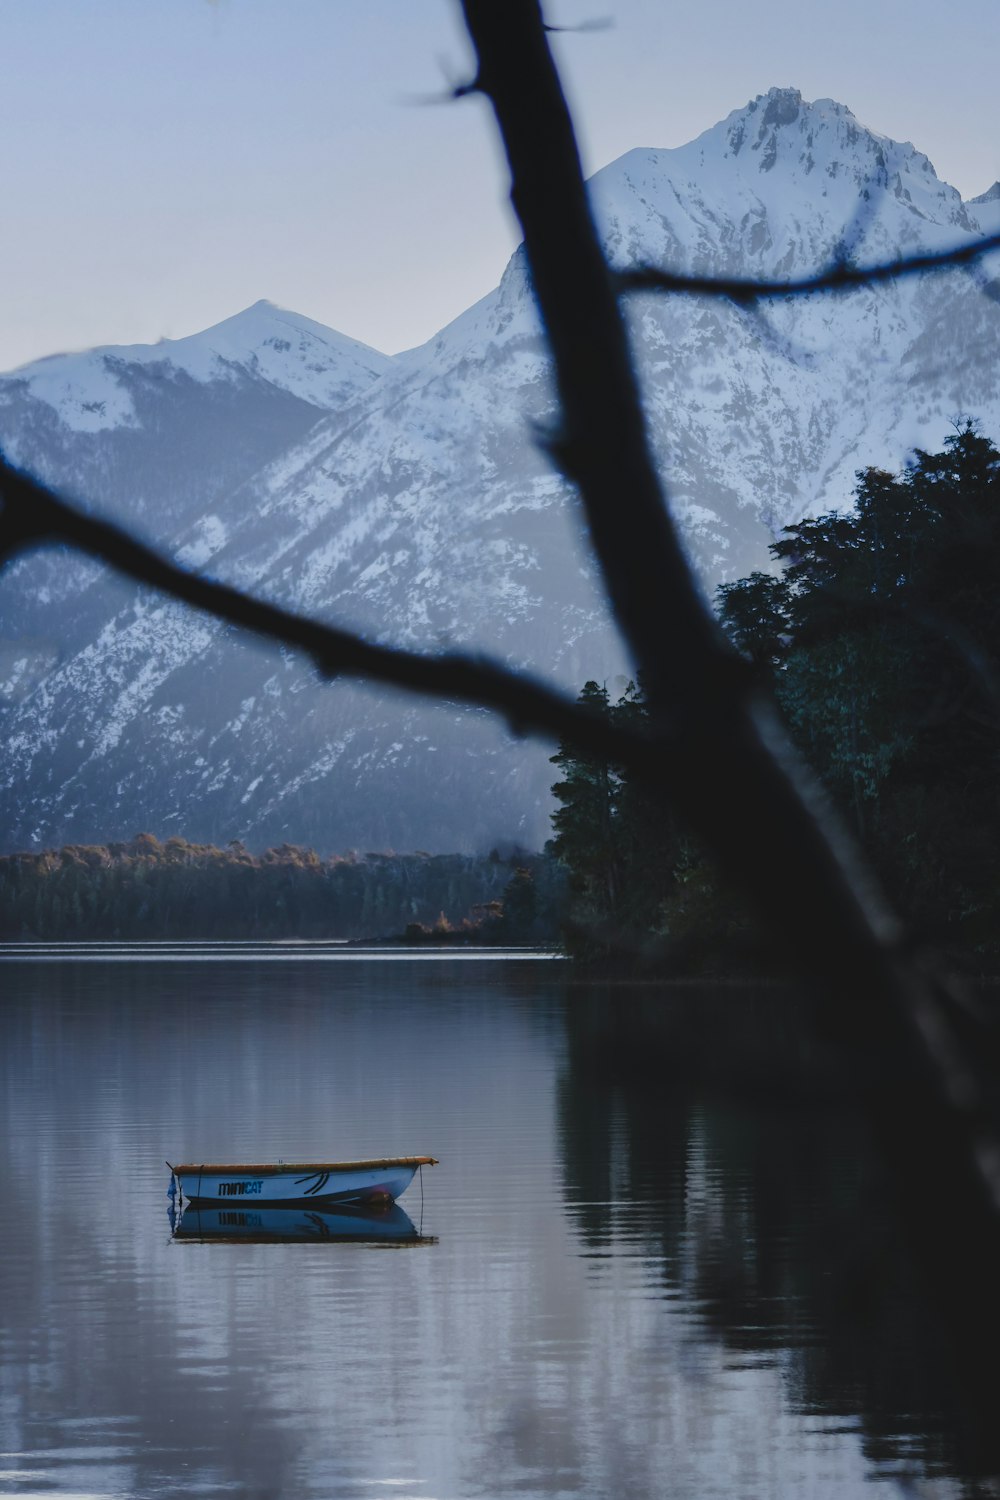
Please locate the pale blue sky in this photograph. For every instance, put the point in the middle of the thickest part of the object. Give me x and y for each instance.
(164, 163)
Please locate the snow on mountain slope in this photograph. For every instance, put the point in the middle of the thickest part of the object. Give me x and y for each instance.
(90, 392)
(420, 509)
(787, 405)
(155, 435)
(986, 210)
(773, 190)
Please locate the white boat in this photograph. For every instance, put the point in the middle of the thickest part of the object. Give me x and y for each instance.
(376, 1181)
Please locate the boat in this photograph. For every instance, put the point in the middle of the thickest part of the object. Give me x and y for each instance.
(354, 1223)
(380, 1180)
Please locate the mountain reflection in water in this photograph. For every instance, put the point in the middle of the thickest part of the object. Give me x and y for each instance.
(644, 1280)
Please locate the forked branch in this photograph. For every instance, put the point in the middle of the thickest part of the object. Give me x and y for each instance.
(736, 779)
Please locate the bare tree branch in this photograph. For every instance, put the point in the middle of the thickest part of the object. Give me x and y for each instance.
(739, 784)
(740, 795)
(839, 278)
(34, 515)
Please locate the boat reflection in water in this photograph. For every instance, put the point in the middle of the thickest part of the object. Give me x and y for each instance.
(354, 1223)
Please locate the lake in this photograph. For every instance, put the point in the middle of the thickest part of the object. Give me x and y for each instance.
(619, 1281)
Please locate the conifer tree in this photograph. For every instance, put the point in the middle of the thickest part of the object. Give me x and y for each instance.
(887, 670)
(585, 822)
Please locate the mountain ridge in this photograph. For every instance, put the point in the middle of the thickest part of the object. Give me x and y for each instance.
(286, 349)
(416, 506)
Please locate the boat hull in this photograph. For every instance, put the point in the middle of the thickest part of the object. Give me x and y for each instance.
(243, 1186)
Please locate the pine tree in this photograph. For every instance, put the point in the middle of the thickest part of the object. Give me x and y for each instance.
(585, 822)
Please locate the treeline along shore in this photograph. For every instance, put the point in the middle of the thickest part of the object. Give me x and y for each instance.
(176, 890)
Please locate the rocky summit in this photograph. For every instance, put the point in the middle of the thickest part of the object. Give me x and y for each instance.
(408, 497)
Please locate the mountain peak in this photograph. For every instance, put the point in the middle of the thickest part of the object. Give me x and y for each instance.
(781, 106)
(781, 182)
(90, 391)
(781, 123)
(253, 337)
(986, 209)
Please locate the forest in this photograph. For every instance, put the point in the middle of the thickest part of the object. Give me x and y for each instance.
(878, 636)
(174, 890)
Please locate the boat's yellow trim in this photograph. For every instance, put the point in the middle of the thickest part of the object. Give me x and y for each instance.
(261, 1169)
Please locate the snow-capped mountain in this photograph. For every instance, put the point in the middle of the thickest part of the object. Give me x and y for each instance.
(98, 391)
(153, 435)
(407, 497)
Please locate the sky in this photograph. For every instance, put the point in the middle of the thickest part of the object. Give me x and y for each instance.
(163, 166)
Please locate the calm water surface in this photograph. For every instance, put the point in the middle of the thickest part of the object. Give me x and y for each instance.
(609, 1287)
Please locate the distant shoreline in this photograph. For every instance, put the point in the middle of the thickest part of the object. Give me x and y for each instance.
(178, 891)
